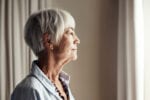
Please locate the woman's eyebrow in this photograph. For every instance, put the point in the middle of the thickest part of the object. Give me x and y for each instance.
(68, 28)
(72, 28)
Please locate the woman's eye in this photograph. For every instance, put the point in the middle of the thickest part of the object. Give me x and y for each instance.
(71, 33)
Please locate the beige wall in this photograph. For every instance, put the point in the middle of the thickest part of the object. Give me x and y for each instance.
(93, 75)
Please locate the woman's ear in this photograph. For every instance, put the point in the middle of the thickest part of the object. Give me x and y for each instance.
(47, 41)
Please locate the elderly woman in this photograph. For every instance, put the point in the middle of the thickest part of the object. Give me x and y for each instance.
(51, 36)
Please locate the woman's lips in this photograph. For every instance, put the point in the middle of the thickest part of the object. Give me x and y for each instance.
(74, 49)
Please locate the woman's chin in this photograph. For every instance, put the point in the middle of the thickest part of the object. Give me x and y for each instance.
(74, 58)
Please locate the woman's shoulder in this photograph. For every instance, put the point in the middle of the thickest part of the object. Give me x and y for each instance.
(26, 89)
(30, 82)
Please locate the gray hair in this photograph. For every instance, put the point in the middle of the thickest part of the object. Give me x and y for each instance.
(51, 21)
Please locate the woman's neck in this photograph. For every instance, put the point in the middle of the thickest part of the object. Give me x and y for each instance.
(51, 66)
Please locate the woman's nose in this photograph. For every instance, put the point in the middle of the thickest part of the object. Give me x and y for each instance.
(77, 40)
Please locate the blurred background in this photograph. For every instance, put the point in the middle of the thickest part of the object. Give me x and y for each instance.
(113, 56)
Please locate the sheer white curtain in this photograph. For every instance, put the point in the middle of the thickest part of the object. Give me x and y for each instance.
(15, 56)
(130, 50)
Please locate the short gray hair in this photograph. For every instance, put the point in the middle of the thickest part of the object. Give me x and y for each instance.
(51, 21)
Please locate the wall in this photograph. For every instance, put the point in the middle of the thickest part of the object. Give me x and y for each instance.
(94, 74)
(147, 47)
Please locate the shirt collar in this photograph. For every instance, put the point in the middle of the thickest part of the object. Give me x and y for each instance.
(64, 77)
(39, 74)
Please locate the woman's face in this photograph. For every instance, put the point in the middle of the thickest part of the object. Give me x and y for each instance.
(68, 45)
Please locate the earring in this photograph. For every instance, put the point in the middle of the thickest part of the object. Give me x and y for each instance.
(52, 48)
